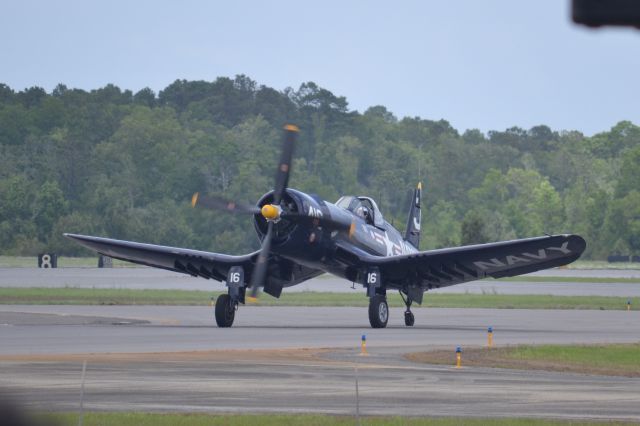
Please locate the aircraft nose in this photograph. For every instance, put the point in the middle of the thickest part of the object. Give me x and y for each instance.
(270, 212)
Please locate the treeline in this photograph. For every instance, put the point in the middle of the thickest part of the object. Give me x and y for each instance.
(115, 163)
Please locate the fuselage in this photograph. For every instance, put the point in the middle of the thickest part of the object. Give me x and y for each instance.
(331, 233)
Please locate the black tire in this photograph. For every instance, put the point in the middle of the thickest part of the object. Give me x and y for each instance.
(378, 311)
(225, 311)
(409, 319)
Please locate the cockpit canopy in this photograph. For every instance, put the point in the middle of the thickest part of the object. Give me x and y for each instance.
(363, 207)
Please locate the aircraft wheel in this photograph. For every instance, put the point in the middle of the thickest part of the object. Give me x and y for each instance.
(378, 311)
(225, 311)
(409, 319)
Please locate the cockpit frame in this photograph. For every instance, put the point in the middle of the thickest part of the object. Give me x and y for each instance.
(353, 204)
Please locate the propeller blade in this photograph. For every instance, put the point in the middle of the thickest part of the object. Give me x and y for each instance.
(260, 270)
(217, 203)
(284, 167)
(270, 212)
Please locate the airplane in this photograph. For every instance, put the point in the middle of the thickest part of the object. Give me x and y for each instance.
(303, 236)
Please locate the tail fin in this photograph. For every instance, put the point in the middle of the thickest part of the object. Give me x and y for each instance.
(412, 234)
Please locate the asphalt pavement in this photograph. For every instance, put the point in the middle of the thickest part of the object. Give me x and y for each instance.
(189, 328)
(301, 360)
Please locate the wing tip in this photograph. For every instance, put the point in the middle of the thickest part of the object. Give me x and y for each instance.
(578, 242)
(76, 237)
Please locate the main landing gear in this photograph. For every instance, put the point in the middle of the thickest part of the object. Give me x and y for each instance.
(378, 311)
(227, 304)
(225, 311)
(409, 319)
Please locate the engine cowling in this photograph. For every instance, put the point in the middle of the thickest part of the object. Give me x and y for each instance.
(283, 227)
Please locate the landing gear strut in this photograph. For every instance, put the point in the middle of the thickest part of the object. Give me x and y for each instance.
(409, 319)
(378, 311)
(225, 311)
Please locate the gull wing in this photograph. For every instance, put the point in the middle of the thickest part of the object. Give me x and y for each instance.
(193, 262)
(449, 266)
(281, 273)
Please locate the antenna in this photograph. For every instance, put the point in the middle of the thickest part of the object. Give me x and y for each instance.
(419, 171)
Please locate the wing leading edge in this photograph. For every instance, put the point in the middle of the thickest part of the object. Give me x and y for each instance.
(193, 262)
(282, 272)
(445, 267)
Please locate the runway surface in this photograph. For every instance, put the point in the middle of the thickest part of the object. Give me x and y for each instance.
(84, 329)
(148, 278)
(296, 359)
(274, 384)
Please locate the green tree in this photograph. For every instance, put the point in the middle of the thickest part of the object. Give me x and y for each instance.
(629, 172)
(48, 206)
(442, 229)
(145, 97)
(76, 223)
(126, 164)
(16, 200)
(623, 222)
(472, 229)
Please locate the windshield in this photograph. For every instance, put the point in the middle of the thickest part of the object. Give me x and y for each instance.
(358, 206)
(349, 202)
(363, 207)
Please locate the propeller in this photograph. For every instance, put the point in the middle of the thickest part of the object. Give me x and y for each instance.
(260, 270)
(271, 212)
(282, 175)
(219, 203)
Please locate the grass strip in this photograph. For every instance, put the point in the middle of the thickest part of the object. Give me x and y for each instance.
(142, 419)
(602, 264)
(94, 296)
(63, 262)
(598, 280)
(92, 261)
(611, 360)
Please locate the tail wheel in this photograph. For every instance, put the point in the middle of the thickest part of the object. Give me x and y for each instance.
(225, 311)
(378, 311)
(409, 319)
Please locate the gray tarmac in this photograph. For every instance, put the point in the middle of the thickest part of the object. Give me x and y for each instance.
(297, 359)
(149, 278)
(302, 359)
(263, 385)
(192, 328)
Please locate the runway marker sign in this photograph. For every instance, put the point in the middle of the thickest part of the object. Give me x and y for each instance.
(47, 260)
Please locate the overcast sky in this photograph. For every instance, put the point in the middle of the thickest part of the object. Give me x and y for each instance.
(478, 64)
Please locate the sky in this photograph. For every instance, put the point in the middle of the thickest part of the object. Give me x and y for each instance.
(489, 65)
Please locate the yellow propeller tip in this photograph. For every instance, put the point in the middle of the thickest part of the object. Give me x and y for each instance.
(269, 211)
(251, 299)
(194, 199)
(419, 185)
(292, 128)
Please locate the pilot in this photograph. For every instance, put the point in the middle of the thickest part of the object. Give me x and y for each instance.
(364, 213)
